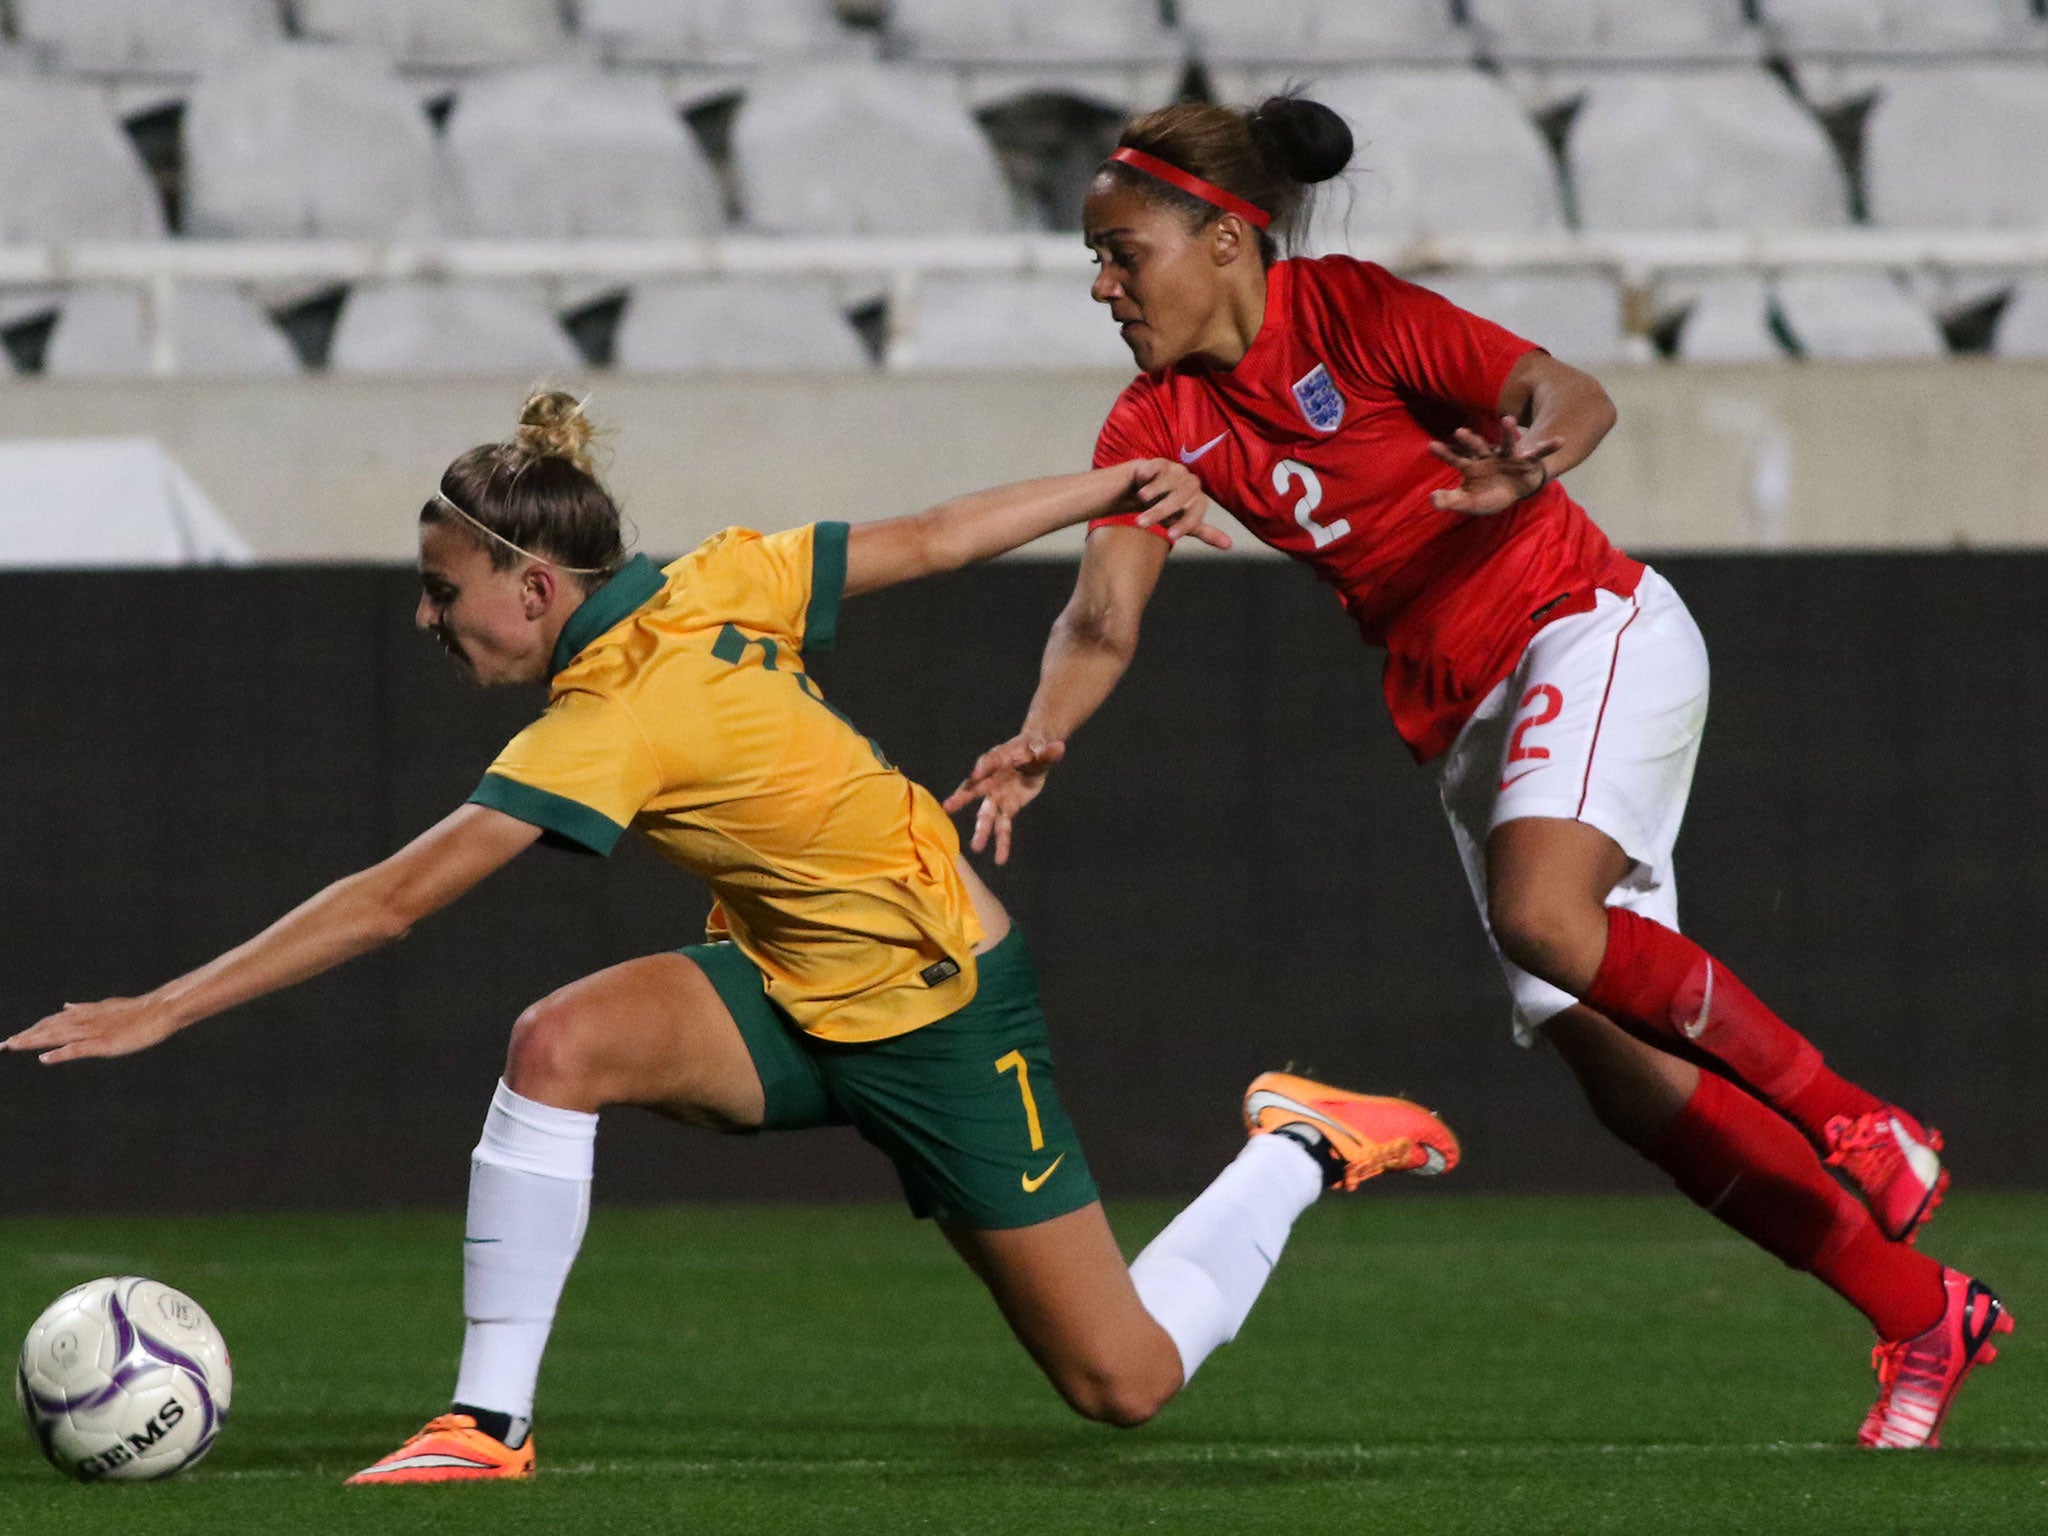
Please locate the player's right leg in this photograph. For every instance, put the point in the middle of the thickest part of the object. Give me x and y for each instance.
(653, 1031)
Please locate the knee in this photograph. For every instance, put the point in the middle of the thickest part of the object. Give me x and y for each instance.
(551, 1052)
(1123, 1399)
(1559, 939)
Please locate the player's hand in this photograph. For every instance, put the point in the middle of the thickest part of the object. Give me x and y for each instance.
(1006, 778)
(120, 1026)
(1173, 501)
(1496, 475)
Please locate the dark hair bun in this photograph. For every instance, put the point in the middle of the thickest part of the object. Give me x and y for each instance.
(1304, 138)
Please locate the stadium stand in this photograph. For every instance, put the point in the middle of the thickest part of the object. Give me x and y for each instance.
(1440, 152)
(1855, 317)
(567, 152)
(440, 34)
(211, 330)
(992, 31)
(975, 322)
(146, 36)
(1600, 32)
(1959, 147)
(2023, 325)
(863, 149)
(719, 33)
(1323, 33)
(310, 140)
(1864, 29)
(1727, 321)
(66, 172)
(737, 325)
(442, 328)
(1575, 318)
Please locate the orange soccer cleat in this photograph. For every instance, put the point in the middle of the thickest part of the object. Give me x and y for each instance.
(1362, 1134)
(1895, 1162)
(451, 1449)
(1918, 1378)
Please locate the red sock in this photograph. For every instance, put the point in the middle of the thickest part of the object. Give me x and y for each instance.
(1656, 981)
(1744, 1165)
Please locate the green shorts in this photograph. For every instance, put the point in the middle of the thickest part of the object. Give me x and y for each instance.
(964, 1107)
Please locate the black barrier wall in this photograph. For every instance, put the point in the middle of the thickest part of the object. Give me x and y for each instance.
(1237, 867)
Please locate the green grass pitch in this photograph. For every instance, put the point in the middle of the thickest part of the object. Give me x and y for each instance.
(1436, 1365)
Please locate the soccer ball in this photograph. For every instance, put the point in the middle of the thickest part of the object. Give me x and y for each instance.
(124, 1378)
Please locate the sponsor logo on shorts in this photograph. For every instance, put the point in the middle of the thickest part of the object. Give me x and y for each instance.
(1031, 1185)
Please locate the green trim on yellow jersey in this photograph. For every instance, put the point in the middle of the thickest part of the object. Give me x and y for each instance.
(627, 590)
(828, 585)
(569, 820)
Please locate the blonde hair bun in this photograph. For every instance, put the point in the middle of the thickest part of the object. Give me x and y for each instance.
(552, 426)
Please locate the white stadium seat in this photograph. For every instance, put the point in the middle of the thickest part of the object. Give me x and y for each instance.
(562, 153)
(957, 31)
(146, 36)
(1439, 152)
(67, 172)
(737, 325)
(1325, 32)
(213, 331)
(2023, 327)
(1576, 318)
(306, 141)
(1961, 147)
(1834, 29)
(442, 328)
(715, 32)
(1615, 31)
(859, 149)
(441, 34)
(1702, 149)
(974, 322)
(1856, 317)
(1729, 321)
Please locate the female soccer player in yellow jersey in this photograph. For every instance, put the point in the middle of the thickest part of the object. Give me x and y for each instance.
(860, 973)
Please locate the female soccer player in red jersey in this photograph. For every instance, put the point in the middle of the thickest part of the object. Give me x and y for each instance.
(863, 975)
(1408, 453)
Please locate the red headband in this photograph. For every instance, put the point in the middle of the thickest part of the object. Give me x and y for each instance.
(1194, 186)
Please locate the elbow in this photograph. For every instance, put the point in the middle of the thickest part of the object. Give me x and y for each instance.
(1101, 627)
(388, 924)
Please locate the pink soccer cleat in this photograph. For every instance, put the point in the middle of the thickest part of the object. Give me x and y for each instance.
(1918, 1378)
(1895, 1163)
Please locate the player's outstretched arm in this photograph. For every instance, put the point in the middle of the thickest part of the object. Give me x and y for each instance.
(349, 918)
(984, 524)
(1091, 644)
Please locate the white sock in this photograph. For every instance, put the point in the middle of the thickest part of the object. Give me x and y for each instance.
(529, 1201)
(1201, 1275)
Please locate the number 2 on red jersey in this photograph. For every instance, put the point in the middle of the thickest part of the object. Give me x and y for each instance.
(1285, 473)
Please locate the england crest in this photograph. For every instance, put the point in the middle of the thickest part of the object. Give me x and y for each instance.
(1319, 400)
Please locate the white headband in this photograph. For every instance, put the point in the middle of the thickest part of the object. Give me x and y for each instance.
(570, 570)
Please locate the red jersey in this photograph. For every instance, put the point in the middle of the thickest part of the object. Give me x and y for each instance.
(1318, 441)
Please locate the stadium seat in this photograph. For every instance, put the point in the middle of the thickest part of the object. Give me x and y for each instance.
(146, 36)
(2023, 327)
(958, 32)
(1615, 31)
(858, 149)
(984, 322)
(1702, 149)
(1836, 29)
(739, 325)
(1856, 317)
(719, 32)
(441, 34)
(440, 328)
(102, 331)
(310, 140)
(1728, 320)
(1576, 318)
(562, 153)
(1961, 147)
(1325, 32)
(1440, 152)
(67, 172)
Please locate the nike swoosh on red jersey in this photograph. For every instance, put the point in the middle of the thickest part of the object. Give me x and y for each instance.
(1187, 457)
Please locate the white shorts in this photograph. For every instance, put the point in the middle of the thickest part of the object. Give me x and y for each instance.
(1599, 722)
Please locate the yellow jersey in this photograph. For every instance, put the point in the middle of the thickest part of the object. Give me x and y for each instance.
(679, 706)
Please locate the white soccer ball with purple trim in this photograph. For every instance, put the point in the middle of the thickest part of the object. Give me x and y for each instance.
(124, 1378)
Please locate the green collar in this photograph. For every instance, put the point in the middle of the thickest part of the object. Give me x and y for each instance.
(628, 589)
